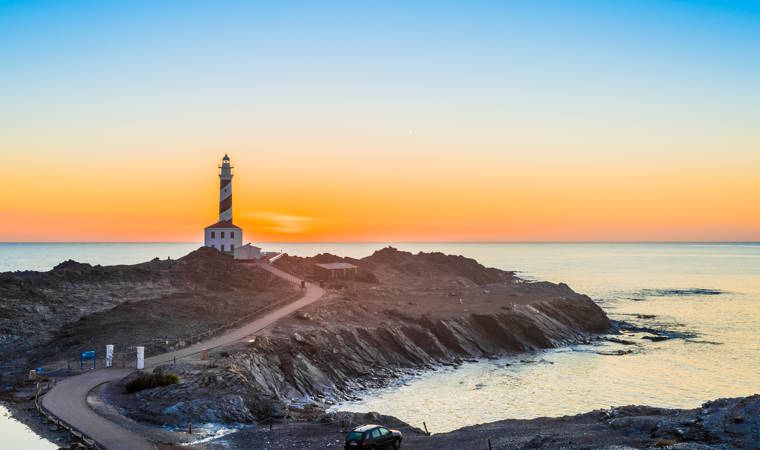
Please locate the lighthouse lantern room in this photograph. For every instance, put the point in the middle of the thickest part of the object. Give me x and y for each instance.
(224, 235)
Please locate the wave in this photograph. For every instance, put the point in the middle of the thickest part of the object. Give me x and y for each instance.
(692, 292)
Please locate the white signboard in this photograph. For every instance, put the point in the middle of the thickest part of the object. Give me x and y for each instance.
(140, 357)
(109, 355)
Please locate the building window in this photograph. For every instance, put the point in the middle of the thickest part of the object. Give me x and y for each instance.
(213, 235)
(222, 234)
(232, 234)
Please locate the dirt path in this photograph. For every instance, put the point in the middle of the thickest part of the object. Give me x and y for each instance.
(68, 399)
(313, 293)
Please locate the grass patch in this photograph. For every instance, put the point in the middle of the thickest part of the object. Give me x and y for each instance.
(154, 380)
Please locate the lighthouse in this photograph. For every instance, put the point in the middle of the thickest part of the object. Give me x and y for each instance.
(224, 235)
(225, 190)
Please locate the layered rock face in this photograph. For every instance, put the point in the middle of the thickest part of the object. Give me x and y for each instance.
(419, 311)
(333, 363)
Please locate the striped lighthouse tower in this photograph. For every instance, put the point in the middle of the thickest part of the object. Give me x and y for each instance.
(225, 190)
(224, 235)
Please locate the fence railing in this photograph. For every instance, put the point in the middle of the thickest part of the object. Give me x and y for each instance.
(164, 345)
(74, 433)
(126, 356)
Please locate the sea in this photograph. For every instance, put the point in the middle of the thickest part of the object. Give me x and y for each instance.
(704, 296)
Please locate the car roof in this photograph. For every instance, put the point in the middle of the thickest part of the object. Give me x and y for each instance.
(366, 427)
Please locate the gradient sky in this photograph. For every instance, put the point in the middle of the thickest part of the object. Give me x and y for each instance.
(381, 121)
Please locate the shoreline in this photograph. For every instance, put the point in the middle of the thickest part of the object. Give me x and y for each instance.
(435, 310)
(717, 424)
(733, 421)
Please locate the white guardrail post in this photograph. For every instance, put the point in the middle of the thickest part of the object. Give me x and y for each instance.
(140, 358)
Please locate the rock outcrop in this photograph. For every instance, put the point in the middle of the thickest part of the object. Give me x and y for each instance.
(721, 424)
(425, 310)
(77, 306)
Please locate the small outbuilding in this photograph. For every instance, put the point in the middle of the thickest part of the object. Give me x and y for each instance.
(335, 271)
(248, 252)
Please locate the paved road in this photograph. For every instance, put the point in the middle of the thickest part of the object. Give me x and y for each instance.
(68, 399)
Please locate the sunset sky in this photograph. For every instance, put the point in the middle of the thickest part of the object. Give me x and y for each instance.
(381, 121)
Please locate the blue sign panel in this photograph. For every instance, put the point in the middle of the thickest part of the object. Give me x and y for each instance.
(87, 356)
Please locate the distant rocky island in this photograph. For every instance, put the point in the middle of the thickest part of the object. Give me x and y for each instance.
(401, 313)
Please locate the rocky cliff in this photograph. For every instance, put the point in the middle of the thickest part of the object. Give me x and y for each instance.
(424, 310)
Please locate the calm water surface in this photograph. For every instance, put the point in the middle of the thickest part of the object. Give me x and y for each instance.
(709, 294)
(45, 256)
(15, 434)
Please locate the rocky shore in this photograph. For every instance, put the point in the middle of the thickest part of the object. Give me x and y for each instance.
(721, 424)
(47, 318)
(403, 314)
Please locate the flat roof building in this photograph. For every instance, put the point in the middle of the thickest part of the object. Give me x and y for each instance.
(248, 252)
(335, 271)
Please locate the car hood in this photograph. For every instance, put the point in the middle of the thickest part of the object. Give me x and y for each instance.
(396, 433)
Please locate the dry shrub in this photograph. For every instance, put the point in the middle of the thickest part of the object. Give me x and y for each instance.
(154, 380)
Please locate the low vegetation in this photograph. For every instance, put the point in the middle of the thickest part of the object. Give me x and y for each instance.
(150, 381)
(366, 276)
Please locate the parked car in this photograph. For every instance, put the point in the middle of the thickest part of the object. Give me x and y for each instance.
(373, 436)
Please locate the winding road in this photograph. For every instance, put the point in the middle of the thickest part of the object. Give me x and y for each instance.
(68, 399)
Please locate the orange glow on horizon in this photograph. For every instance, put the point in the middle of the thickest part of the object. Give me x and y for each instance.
(504, 121)
(310, 198)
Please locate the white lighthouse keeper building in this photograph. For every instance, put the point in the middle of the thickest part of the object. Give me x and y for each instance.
(224, 235)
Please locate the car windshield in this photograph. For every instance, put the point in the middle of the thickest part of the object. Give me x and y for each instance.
(355, 436)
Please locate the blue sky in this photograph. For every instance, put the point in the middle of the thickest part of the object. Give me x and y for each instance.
(135, 53)
(595, 88)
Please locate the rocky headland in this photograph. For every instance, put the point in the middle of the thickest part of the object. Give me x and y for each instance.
(403, 314)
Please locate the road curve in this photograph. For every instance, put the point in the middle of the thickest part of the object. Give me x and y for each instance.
(68, 399)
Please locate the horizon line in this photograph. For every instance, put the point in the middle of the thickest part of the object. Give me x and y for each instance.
(401, 242)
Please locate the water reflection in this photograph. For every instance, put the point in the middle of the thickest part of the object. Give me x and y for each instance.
(710, 311)
(17, 435)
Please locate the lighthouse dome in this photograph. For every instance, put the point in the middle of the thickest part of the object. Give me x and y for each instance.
(226, 158)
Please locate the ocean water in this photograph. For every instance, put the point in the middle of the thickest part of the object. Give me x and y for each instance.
(15, 434)
(45, 256)
(707, 296)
